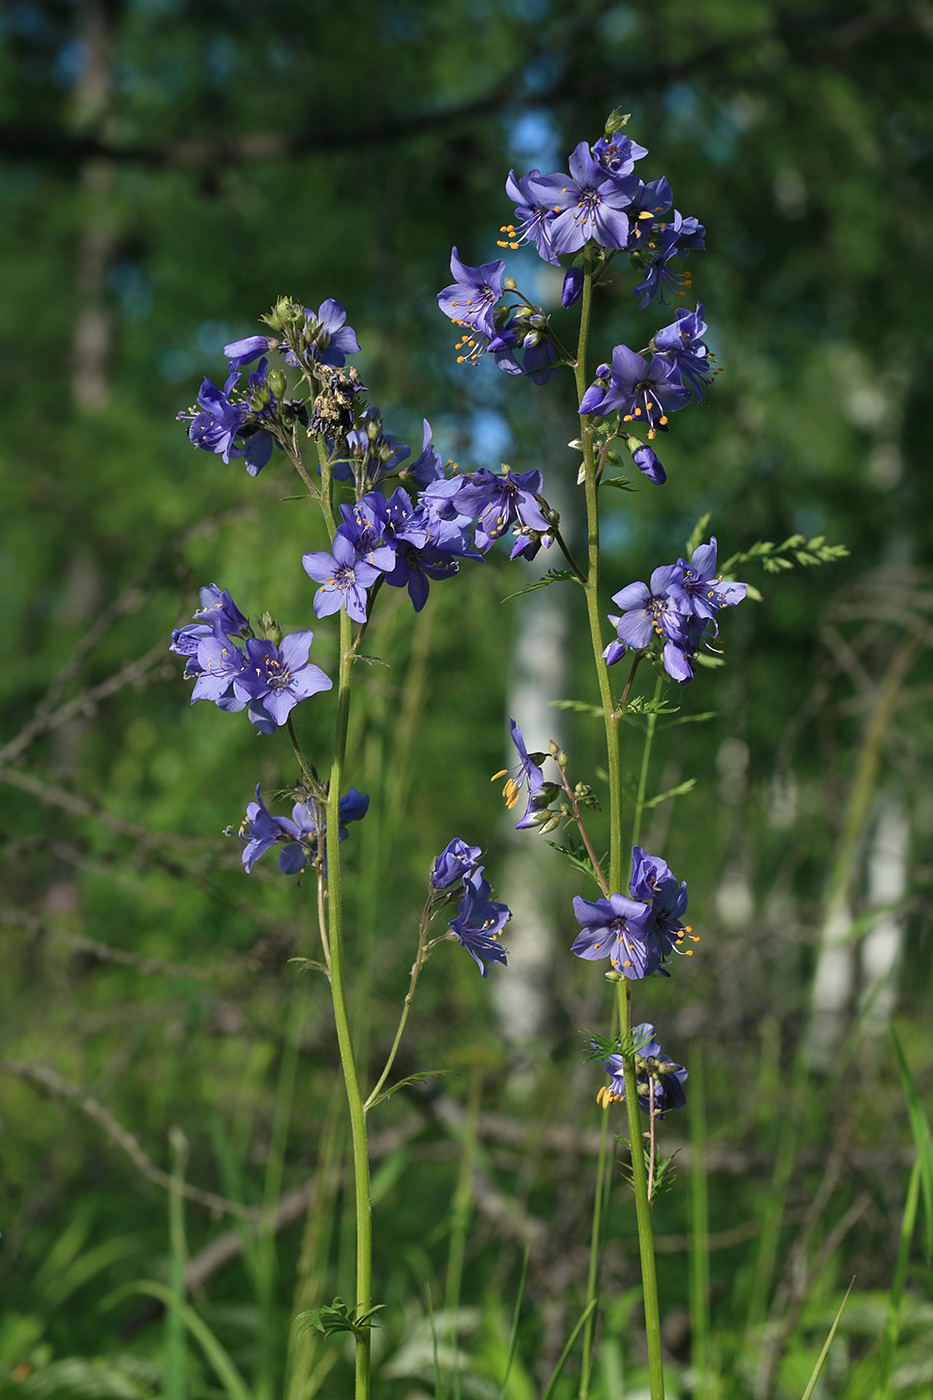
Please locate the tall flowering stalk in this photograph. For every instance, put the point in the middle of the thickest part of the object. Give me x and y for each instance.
(599, 212)
(398, 521)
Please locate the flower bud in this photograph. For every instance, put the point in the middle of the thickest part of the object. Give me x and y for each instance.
(550, 826)
(285, 313)
(562, 759)
(276, 382)
(615, 121)
(646, 460)
(509, 284)
(613, 976)
(553, 749)
(270, 628)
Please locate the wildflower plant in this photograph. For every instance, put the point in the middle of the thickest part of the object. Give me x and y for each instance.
(403, 522)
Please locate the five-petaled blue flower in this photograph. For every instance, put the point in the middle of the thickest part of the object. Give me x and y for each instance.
(472, 297)
(619, 929)
(479, 921)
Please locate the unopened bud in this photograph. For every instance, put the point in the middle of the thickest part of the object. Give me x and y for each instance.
(554, 749)
(509, 284)
(270, 628)
(285, 313)
(562, 759)
(616, 120)
(276, 382)
(613, 976)
(549, 826)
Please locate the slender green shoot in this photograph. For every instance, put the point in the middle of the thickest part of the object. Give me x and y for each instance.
(232, 1383)
(892, 1324)
(513, 1335)
(699, 1230)
(826, 1345)
(565, 1354)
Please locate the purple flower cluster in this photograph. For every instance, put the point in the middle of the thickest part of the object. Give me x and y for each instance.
(266, 679)
(645, 391)
(241, 422)
(303, 843)
(679, 604)
(244, 421)
(603, 201)
(406, 543)
(479, 920)
(638, 932)
(518, 337)
(657, 1077)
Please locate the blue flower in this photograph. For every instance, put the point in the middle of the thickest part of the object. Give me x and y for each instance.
(302, 844)
(525, 774)
(496, 501)
(619, 929)
(220, 421)
(591, 205)
(325, 338)
(217, 603)
(652, 881)
(681, 344)
(470, 300)
(706, 591)
(480, 921)
(455, 863)
(277, 678)
(675, 239)
(344, 577)
(643, 392)
(533, 196)
(243, 352)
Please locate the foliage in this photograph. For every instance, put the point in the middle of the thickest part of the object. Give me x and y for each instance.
(143, 967)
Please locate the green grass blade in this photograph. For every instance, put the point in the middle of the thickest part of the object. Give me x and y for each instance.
(920, 1127)
(439, 1392)
(568, 1349)
(892, 1324)
(175, 1351)
(216, 1353)
(699, 1229)
(826, 1345)
(513, 1336)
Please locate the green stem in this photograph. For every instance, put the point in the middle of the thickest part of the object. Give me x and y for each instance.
(600, 1203)
(611, 721)
(417, 965)
(645, 761)
(341, 1016)
(649, 1282)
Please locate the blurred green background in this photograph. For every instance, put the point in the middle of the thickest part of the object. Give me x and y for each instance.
(167, 169)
